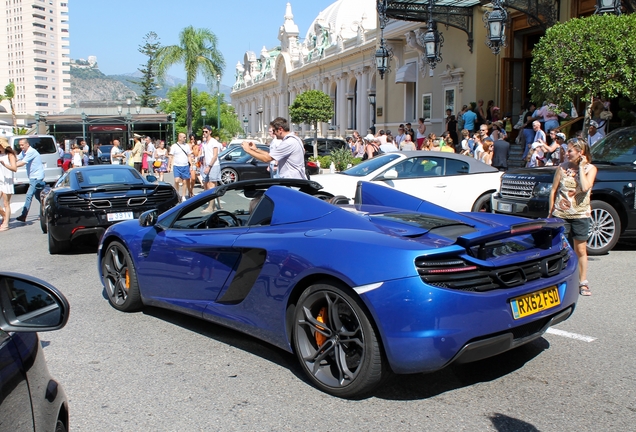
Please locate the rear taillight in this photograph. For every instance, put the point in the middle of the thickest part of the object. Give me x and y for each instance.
(60, 163)
(312, 164)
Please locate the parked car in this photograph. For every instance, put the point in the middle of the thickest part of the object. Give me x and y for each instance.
(236, 152)
(31, 400)
(325, 146)
(105, 157)
(244, 167)
(45, 145)
(275, 261)
(239, 141)
(459, 183)
(87, 200)
(525, 191)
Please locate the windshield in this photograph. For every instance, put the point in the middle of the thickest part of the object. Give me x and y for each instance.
(618, 148)
(370, 165)
(108, 176)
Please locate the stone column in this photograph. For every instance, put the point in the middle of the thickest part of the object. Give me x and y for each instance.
(363, 101)
(342, 105)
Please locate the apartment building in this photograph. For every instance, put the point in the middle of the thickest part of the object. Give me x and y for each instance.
(36, 37)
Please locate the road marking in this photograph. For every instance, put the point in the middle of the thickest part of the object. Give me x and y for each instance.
(571, 335)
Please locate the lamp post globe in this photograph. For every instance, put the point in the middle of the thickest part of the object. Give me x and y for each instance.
(204, 113)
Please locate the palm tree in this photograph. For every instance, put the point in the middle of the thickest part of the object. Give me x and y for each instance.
(198, 52)
(9, 94)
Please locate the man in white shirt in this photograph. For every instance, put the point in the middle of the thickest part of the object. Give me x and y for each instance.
(180, 159)
(116, 154)
(150, 151)
(211, 168)
(289, 154)
(273, 165)
(593, 135)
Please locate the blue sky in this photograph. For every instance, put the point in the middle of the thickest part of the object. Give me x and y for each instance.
(112, 30)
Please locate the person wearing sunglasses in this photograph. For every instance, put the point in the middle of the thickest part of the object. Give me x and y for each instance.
(570, 201)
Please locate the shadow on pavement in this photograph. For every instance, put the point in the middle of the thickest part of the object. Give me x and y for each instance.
(424, 386)
(230, 337)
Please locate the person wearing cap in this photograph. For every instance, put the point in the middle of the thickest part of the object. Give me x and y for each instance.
(137, 154)
(593, 135)
(563, 147)
(498, 131)
(372, 148)
(8, 165)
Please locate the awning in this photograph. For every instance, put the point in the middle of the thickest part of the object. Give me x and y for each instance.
(406, 74)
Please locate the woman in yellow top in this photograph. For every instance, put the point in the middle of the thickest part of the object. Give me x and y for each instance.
(570, 201)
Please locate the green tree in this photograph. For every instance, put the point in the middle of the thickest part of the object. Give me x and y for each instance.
(312, 107)
(176, 101)
(148, 82)
(584, 58)
(9, 94)
(197, 51)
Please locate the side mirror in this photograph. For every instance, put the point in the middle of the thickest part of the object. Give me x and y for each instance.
(228, 157)
(148, 218)
(391, 174)
(151, 178)
(28, 304)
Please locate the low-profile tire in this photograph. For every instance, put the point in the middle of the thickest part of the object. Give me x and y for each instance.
(43, 226)
(483, 204)
(605, 228)
(120, 278)
(59, 426)
(229, 175)
(341, 354)
(56, 246)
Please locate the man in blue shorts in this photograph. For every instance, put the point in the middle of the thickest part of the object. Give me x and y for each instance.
(179, 163)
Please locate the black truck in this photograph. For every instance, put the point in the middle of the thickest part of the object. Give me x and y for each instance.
(525, 191)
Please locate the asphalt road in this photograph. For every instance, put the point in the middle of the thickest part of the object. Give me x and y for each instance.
(160, 371)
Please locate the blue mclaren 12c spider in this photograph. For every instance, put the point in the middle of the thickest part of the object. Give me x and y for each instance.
(273, 258)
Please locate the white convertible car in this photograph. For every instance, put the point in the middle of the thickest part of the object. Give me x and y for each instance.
(459, 183)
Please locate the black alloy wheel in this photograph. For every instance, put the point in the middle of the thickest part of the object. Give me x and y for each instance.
(120, 278)
(336, 344)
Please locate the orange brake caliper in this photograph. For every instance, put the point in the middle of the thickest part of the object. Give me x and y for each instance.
(127, 279)
(322, 316)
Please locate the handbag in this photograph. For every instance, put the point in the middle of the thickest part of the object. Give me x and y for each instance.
(156, 164)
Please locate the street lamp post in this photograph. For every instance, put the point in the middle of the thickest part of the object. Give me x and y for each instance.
(218, 104)
(83, 125)
(173, 117)
(204, 112)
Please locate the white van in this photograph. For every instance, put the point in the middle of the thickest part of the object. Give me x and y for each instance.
(45, 145)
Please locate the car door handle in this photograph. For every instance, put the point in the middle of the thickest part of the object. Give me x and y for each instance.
(440, 185)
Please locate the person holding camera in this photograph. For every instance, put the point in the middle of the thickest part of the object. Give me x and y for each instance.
(570, 201)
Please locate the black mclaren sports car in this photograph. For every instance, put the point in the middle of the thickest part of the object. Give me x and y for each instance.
(87, 200)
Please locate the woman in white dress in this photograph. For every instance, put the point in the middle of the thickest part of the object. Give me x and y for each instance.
(8, 166)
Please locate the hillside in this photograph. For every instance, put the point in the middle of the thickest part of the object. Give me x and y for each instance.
(90, 84)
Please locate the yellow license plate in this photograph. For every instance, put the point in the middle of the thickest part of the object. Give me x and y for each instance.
(535, 302)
